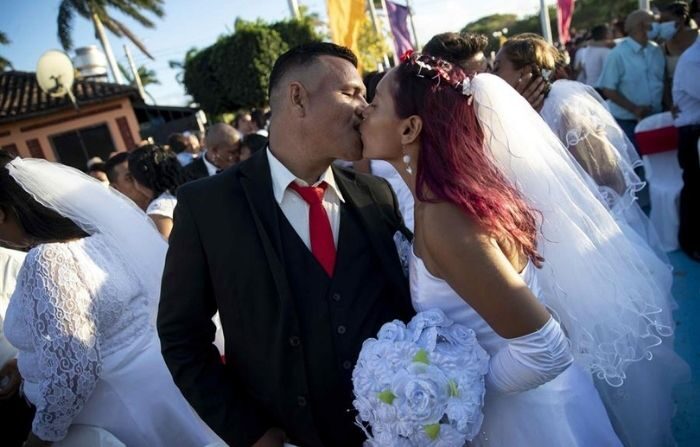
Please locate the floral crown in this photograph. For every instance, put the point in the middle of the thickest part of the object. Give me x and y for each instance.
(438, 70)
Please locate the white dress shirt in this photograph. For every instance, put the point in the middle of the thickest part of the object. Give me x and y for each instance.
(295, 209)
(686, 88)
(211, 168)
(10, 263)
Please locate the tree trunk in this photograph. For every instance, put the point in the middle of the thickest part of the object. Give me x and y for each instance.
(100, 31)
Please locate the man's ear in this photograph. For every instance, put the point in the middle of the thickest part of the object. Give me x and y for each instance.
(411, 128)
(298, 98)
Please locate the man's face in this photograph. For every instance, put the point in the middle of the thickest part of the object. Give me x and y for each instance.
(225, 155)
(124, 183)
(334, 111)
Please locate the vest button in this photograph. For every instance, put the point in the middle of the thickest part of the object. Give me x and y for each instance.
(341, 329)
(347, 364)
(336, 297)
(301, 401)
(294, 341)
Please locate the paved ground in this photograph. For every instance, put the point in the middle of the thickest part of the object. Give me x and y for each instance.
(686, 290)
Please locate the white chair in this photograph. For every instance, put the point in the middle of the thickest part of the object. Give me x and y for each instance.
(657, 140)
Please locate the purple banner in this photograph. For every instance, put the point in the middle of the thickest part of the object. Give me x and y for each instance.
(398, 16)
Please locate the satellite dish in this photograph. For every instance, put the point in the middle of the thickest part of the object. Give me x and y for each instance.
(55, 74)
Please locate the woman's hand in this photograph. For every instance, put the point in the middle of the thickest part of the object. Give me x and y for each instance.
(10, 379)
(35, 441)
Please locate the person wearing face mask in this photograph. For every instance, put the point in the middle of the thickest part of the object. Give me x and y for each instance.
(677, 32)
(633, 75)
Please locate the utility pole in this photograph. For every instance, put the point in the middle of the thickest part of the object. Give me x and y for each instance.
(294, 9)
(135, 72)
(544, 18)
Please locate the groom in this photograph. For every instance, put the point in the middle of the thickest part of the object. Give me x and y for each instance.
(297, 256)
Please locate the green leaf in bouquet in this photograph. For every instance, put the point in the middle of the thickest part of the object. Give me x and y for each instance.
(432, 430)
(454, 389)
(387, 397)
(421, 357)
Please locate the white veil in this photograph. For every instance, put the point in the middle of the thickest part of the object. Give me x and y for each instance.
(593, 278)
(579, 117)
(97, 209)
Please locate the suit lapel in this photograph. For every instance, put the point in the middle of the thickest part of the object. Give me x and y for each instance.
(363, 202)
(256, 181)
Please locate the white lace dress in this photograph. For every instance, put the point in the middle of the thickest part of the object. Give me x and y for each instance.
(566, 411)
(89, 352)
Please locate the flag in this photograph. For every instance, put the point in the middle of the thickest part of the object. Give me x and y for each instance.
(398, 15)
(345, 18)
(565, 11)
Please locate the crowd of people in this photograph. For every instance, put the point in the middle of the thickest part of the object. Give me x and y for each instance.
(217, 290)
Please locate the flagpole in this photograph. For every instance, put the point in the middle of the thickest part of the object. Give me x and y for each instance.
(294, 8)
(544, 19)
(645, 5)
(379, 29)
(413, 25)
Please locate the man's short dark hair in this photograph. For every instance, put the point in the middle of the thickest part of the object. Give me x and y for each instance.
(178, 142)
(304, 55)
(456, 48)
(599, 32)
(116, 159)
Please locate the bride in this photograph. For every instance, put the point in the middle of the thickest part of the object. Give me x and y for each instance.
(508, 237)
(83, 313)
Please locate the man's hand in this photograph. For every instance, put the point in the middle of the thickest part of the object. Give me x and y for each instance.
(9, 379)
(532, 88)
(274, 437)
(641, 111)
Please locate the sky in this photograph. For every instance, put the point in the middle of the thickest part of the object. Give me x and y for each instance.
(31, 27)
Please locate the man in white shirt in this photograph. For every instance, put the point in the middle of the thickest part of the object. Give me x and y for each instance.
(596, 52)
(686, 98)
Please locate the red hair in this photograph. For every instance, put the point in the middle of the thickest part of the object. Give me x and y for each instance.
(454, 163)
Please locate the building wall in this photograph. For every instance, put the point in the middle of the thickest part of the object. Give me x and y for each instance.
(30, 137)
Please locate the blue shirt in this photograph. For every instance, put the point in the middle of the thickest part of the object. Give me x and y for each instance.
(686, 86)
(637, 72)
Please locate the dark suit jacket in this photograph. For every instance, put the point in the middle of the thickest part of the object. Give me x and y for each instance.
(225, 254)
(196, 169)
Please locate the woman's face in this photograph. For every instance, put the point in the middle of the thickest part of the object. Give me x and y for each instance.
(380, 128)
(504, 69)
(145, 190)
(12, 235)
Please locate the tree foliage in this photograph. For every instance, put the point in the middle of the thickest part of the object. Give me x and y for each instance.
(372, 46)
(4, 63)
(134, 9)
(234, 72)
(587, 14)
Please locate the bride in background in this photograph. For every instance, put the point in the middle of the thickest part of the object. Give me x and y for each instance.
(83, 313)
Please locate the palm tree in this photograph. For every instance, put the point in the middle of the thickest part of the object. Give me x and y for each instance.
(177, 65)
(146, 76)
(4, 63)
(96, 11)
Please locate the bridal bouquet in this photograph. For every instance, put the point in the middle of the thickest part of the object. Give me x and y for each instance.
(420, 384)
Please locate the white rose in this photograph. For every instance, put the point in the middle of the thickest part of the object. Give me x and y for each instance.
(421, 394)
(392, 331)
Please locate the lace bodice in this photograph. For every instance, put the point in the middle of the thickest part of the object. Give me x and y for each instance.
(75, 304)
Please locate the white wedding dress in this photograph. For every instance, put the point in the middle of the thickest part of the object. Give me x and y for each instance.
(566, 411)
(89, 352)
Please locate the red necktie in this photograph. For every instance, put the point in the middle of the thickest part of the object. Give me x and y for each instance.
(321, 235)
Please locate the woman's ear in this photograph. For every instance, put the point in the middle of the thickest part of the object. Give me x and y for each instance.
(410, 129)
(298, 98)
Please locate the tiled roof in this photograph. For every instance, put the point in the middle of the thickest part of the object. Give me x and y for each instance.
(21, 97)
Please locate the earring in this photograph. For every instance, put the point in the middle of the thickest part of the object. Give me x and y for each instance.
(407, 160)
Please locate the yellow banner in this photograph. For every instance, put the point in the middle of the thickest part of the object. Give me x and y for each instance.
(345, 19)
